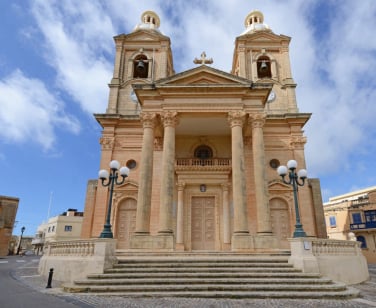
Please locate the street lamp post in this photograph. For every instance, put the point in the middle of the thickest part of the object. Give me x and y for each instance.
(112, 179)
(294, 181)
(19, 244)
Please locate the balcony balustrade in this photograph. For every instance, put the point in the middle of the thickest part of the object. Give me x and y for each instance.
(211, 164)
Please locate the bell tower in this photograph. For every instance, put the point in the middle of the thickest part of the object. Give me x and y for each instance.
(142, 56)
(263, 57)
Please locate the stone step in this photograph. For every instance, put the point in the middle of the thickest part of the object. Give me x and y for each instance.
(349, 293)
(209, 275)
(214, 287)
(200, 253)
(178, 280)
(201, 270)
(200, 264)
(236, 275)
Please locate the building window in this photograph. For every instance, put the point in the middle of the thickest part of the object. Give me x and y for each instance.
(68, 228)
(357, 218)
(49, 229)
(362, 239)
(370, 216)
(332, 221)
(203, 152)
(53, 229)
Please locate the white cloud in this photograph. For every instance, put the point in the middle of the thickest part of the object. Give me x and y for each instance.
(78, 40)
(30, 113)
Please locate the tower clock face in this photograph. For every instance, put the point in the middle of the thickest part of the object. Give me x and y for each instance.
(272, 96)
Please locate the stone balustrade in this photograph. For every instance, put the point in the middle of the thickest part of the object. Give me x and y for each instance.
(75, 259)
(339, 260)
(321, 247)
(71, 248)
(197, 163)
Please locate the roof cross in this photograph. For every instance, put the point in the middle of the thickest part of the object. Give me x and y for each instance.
(203, 59)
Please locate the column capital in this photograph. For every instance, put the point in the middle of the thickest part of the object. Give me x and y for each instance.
(257, 120)
(148, 119)
(170, 118)
(236, 118)
(180, 185)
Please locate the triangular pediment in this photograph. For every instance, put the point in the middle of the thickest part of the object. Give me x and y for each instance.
(264, 36)
(142, 35)
(203, 75)
(278, 185)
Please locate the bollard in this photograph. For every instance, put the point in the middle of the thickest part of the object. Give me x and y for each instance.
(50, 274)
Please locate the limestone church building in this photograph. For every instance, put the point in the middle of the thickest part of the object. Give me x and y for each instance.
(202, 147)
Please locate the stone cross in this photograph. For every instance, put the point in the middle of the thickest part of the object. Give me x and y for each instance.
(203, 59)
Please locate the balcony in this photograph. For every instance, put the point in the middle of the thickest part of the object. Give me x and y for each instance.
(363, 226)
(210, 164)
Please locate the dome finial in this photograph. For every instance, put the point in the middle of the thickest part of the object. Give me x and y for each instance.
(149, 20)
(255, 22)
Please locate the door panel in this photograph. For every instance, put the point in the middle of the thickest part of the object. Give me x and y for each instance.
(126, 223)
(203, 223)
(280, 222)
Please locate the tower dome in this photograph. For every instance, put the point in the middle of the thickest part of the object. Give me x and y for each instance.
(255, 22)
(149, 20)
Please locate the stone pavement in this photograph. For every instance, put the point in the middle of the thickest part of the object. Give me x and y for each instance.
(28, 275)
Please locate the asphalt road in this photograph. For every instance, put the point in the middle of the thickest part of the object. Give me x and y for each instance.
(15, 293)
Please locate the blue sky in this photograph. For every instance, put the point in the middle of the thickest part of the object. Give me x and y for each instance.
(56, 59)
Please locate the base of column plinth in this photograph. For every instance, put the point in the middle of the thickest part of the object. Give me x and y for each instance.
(246, 242)
(241, 242)
(265, 242)
(152, 242)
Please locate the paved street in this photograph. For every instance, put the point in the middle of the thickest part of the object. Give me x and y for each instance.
(23, 272)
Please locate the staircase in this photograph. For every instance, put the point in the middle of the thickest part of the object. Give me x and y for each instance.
(211, 276)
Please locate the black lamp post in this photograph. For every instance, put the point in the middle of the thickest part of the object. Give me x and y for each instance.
(294, 181)
(112, 179)
(19, 244)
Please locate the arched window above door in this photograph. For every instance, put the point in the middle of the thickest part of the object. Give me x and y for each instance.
(203, 152)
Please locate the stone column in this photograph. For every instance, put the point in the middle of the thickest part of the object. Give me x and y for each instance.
(236, 120)
(226, 215)
(146, 174)
(261, 184)
(170, 121)
(180, 215)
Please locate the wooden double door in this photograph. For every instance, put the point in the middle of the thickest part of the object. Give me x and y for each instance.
(203, 223)
(126, 223)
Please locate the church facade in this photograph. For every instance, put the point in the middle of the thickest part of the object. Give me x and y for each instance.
(202, 147)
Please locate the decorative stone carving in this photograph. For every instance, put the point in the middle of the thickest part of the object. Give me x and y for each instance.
(148, 119)
(236, 118)
(298, 142)
(107, 143)
(257, 120)
(170, 118)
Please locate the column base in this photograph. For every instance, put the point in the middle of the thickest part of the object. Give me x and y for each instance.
(152, 242)
(179, 247)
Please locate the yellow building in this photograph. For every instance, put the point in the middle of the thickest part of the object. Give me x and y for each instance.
(353, 216)
(67, 226)
(202, 147)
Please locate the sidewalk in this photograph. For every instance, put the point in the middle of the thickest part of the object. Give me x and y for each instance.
(28, 274)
